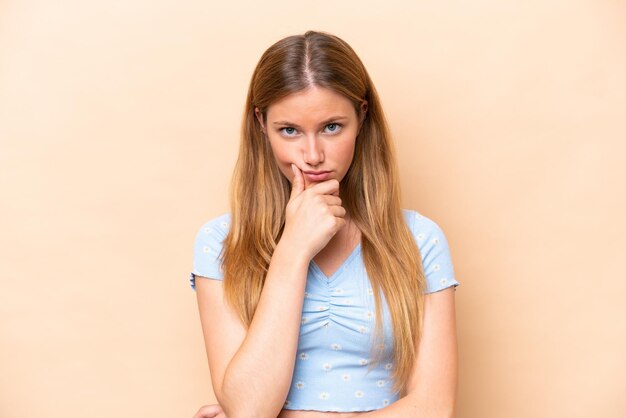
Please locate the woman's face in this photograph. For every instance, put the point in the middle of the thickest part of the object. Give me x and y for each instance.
(314, 129)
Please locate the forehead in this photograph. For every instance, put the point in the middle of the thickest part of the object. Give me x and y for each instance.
(311, 104)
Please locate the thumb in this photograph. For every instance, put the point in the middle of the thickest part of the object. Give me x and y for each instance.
(297, 186)
(208, 411)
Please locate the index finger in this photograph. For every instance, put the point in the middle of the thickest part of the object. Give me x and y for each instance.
(330, 186)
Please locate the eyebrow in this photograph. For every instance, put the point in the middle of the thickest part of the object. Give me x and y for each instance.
(332, 119)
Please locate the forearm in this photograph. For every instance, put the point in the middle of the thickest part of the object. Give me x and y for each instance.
(257, 379)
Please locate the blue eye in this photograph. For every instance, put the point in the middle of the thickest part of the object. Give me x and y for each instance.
(289, 131)
(288, 127)
(337, 129)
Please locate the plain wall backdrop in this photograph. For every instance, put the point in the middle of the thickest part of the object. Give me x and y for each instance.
(119, 130)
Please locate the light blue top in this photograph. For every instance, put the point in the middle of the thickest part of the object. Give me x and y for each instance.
(337, 323)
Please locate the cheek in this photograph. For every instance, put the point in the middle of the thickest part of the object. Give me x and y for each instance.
(284, 157)
(346, 153)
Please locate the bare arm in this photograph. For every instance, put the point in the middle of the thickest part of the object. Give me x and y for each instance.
(432, 387)
(252, 370)
(258, 377)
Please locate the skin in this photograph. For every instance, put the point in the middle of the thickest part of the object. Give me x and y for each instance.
(297, 133)
(306, 134)
(301, 132)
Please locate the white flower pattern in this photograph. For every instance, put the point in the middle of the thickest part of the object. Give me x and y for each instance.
(341, 302)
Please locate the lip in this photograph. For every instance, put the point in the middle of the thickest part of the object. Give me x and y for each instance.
(316, 175)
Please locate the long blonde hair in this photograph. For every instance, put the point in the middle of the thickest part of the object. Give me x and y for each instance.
(370, 193)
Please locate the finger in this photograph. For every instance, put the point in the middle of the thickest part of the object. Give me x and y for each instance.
(330, 187)
(331, 200)
(341, 222)
(208, 411)
(297, 185)
(201, 414)
(338, 211)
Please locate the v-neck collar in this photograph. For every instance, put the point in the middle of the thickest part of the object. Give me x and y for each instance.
(340, 269)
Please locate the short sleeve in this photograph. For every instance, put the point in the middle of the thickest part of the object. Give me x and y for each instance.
(207, 249)
(433, 246)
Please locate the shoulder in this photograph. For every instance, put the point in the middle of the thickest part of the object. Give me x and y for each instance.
(208, 246)
(211, 234)
(217, 226)
(420, 225)
(434, 250)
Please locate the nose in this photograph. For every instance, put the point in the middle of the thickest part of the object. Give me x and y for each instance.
(313, 152)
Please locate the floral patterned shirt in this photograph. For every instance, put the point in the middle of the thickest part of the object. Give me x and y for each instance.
(338, 314)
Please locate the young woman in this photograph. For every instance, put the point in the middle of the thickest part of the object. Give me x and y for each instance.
(325, 298)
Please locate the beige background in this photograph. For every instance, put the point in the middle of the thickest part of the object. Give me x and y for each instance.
(119, 125)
